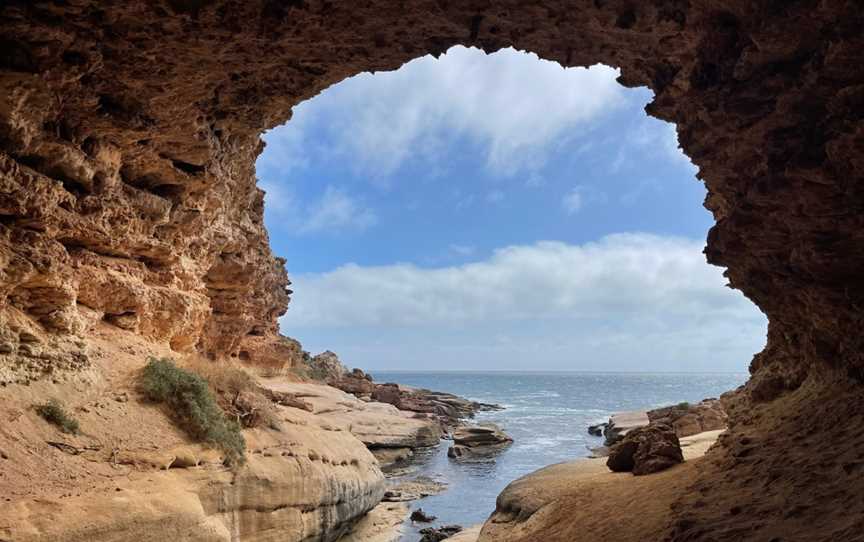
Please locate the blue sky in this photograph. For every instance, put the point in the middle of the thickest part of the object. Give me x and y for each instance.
(497, 212)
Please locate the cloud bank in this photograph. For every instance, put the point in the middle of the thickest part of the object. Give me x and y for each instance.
(620, 298)
(381, 121)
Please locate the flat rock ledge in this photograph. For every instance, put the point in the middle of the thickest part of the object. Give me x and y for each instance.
(478, 441)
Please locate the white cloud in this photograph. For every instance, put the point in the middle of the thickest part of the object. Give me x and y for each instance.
(572, 202)
(500, 101)
(619, 274)
(625, 302)
(335, 211)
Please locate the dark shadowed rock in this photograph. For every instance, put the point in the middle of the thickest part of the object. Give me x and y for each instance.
(646, 450)
(597, 430)
(436, 534)
(419, 516)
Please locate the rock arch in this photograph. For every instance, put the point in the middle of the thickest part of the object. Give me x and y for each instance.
(129, 132)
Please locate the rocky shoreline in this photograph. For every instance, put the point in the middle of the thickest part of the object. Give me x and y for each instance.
(684, 418)
(314, 466)
(323, 464)
(450, 410)
(587, 493)
(444, 416)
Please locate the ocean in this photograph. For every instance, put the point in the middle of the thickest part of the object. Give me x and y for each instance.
(547, 414)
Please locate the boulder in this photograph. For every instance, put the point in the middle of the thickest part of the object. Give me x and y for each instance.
(477, 440)
(646, 450)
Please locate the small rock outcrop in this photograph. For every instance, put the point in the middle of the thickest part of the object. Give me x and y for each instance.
(436, 534)
(622, 423)
(414, 489)
(684, 418)
(326, 367)
(478, 440)
(419, 516)
(357, 383)
(646, 450)
(449, 409)
(687, 419)
(597, 430)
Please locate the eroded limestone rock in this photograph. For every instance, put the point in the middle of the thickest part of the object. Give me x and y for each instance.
(128, 133)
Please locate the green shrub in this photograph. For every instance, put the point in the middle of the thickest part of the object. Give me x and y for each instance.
(683, 405)
(53, 412)
(194, 407)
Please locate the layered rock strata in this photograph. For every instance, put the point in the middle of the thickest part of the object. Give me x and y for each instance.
(478, 441)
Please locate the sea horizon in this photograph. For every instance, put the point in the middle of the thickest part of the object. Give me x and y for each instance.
(547, 371)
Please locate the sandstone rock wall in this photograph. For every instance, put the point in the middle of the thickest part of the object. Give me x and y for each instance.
(128, 133)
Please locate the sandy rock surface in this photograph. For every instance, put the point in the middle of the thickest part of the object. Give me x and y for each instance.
(470, 534)
(413, 489)
(378, 425)
(382, 524)
(574, 501)
(132, 475)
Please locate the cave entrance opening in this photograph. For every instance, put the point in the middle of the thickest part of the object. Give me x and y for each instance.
(482, 210)
(499, 212)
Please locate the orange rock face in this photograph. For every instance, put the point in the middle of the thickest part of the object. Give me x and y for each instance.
(128, 134)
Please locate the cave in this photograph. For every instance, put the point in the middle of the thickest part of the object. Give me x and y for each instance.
(768, 99)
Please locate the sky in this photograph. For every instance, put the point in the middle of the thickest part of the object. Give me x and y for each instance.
(497, 212)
